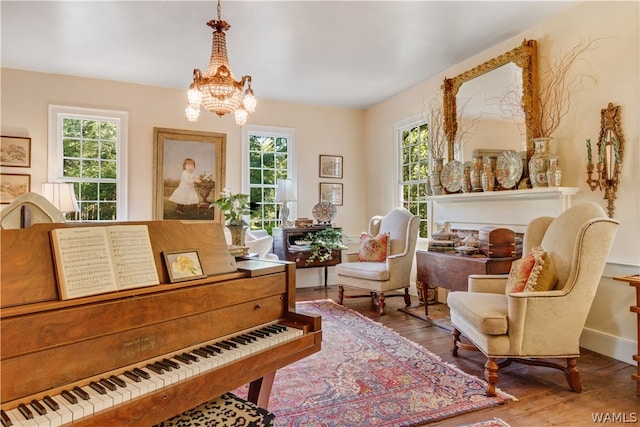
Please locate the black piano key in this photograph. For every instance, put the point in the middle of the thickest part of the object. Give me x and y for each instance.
(117, 381)
(209, 351)
(81, 393)
(190, 356)
(133, 377)
(4, 419)
(97, 387)
(248, 337)
(41, 410)
(154, 368)
(239, 340)
(69, 397)
(202, 353)
(182, 359)
(163, 366)
(223, 345)
(259, 334)
(171, 363)
(51, 403)
(231, 343)
(273, 329)
(26, 412)
(214, 349)
(107, 384)
(141, 373)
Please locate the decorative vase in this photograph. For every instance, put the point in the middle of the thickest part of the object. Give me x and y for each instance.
(238, 233)
(466, 179)
(554, 173)
(436, 184)
(539, 163)
(488, 178)
(476, 174)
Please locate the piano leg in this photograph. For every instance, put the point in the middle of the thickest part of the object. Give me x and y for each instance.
(260, 390)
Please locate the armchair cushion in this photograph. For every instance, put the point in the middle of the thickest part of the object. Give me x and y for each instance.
(377, 271)
(486, 312)
(533, 272)
(374, 249)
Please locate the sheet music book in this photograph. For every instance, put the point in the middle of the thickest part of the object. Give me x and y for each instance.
(96, 260)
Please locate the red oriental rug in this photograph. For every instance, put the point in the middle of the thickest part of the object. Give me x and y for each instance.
(368, 375)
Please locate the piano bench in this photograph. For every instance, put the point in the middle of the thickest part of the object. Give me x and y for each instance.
(228, 410)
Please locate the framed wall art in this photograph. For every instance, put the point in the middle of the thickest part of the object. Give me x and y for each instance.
(15, 151)
(330, 166)
(330, 192)
(189, 170)
(183, 265)
(12, 185)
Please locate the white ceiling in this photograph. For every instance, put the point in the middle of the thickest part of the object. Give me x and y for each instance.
(339, 53)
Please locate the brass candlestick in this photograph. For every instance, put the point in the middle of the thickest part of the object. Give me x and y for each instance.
(610, 151)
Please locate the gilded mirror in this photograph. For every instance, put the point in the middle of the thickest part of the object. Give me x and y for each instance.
(525, 104)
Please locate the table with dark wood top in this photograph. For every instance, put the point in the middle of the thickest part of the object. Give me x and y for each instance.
(635, 282)
(451, 270)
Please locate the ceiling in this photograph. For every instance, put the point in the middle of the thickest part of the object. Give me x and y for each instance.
(339, 53)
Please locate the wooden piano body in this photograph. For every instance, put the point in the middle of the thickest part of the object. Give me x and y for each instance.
(49, 345)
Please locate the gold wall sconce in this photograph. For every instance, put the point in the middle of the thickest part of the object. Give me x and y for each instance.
(610, 151)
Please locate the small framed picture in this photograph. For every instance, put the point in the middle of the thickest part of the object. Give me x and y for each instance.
(15, 151)
(183, 265)
(330, 166)
(12, 185)
(330, 192)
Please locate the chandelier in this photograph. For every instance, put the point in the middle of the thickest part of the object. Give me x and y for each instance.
(217, 90)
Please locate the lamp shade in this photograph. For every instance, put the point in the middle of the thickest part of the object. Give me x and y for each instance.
(285, 191)
(61, 195)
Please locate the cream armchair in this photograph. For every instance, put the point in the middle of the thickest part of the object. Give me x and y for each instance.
(534, 326)
(390, 274)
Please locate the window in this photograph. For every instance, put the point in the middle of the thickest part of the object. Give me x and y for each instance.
(269, 156)
(414, 169)
(87, 148)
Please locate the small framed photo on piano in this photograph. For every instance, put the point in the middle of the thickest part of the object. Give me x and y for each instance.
(183, 265)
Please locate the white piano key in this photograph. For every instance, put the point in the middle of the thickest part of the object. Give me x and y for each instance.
(15, 417)
(68, 411)
(36, 421)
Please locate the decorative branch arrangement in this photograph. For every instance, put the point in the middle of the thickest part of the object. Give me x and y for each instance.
(557, 84)
(437, 138)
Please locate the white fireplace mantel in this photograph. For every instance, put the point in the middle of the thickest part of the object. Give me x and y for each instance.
(512, 209)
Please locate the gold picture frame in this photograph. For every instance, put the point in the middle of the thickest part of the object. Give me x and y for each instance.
(13, 185)
(330, 166)
(15, 151)
(183, 265)
(177, 186)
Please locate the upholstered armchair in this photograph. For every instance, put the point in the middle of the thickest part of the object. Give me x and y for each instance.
(384, 260)
(261, 243)
(537, 313)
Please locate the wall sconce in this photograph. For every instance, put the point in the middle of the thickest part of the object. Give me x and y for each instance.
(285, 193)
(610, 152)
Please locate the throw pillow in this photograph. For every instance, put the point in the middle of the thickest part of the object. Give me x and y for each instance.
(374, 249)
(533, 272)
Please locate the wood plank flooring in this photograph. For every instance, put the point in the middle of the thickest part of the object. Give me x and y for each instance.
(544, 397)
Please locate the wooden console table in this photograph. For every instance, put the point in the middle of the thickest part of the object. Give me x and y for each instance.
(284, 238)
(452, 270)
(635, 282)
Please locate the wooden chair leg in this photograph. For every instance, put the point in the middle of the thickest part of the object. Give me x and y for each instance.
(456, 340)
(340, 294)
(407, 298)
(381, 302)
(572, 374)
(491, 376)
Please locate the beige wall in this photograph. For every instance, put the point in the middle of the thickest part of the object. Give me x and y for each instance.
(365, 139)
(610, 327)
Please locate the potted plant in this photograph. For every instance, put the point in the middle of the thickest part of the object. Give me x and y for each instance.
(234, 207)
(323, 243)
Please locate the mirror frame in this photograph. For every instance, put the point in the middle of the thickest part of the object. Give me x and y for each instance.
(526, 57)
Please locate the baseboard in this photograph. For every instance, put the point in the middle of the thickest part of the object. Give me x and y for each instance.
(609, 345)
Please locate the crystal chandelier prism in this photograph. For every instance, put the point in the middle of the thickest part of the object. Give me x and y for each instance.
(217, 90)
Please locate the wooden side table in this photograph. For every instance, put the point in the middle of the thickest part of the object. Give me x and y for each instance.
(452, 270)
(284, 238)
(635, 282)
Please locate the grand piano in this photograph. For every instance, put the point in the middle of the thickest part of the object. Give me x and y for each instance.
(140, 356)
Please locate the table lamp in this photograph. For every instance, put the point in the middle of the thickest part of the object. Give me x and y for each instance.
(285, 193)
(61, 195)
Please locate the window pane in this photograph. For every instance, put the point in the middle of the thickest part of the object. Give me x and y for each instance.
(90, 149)
(414, 171)
(71, 147)
(71, 168)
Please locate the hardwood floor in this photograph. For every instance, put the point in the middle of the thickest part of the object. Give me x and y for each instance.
(544, 397)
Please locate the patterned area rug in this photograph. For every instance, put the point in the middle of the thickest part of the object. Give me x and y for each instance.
(368, 375)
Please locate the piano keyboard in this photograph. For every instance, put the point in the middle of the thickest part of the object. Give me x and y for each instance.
(83, 401)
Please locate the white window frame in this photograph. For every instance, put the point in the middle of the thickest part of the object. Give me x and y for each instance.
(55, 170)
(273, 131)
